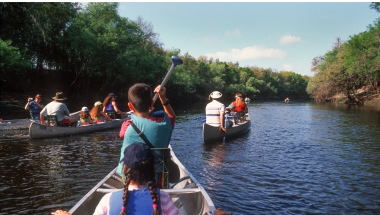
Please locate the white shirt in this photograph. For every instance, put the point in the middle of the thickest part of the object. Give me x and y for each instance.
(55, 108)
(213, 111)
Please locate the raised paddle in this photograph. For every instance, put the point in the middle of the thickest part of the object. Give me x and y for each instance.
(175, 61)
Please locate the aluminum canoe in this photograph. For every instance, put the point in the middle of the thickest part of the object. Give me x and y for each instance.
(212, 134)
(37, 130)
(24, 124)
(186, 192)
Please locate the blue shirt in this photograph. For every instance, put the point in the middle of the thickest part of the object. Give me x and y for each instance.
(34, 107)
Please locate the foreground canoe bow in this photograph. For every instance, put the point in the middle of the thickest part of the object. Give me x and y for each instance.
(186, 192)
(213, 134)
(45, 131)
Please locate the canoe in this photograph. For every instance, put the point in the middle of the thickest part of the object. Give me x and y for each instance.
(212, 134)
(24, 124)
(37, 130)
(186, 192)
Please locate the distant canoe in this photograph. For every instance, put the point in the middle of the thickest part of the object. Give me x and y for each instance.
(186, 192)
(24, 124)
(45, 131)
(213, 134)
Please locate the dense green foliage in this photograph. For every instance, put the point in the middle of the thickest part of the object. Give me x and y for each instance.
(349, 67)
(91, 51)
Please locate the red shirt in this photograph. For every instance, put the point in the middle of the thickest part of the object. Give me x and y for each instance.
(125, 124)
(240, 108)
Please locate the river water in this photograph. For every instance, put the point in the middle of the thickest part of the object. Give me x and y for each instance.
(297, 158)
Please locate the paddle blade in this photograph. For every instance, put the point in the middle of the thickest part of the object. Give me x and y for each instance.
(176, 61)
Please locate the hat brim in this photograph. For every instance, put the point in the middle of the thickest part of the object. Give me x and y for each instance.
(216, 97)
(59, 99)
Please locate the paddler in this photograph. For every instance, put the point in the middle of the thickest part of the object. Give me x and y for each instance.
(215, 111)
(156, 127)
(110, 107)
(35, 107)
(59, 109)
(240, 106)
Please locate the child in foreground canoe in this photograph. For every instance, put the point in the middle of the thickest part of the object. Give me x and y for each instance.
(140, 194)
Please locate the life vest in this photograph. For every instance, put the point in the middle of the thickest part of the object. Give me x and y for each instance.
(84, 121)
(158, 134)
(98, 118)
(239, 108)
(139, 202)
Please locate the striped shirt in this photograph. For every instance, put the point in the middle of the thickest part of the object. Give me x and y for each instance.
(167, 205)
(213, 111)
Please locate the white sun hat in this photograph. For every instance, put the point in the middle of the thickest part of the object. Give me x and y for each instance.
(84, 109)
(215, 95)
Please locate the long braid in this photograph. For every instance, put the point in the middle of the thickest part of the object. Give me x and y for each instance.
(126, 192)
(153, 192)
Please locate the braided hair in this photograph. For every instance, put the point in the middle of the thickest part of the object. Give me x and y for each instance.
(144, 174)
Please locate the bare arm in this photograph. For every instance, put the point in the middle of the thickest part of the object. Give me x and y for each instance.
(115, 107)
(222, 121)
(162, 95)
(106, 116)
(27, 105)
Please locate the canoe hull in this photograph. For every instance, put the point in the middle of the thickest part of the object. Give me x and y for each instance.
(192, 200)
(45, 131)
(212, 134)
(24, 124)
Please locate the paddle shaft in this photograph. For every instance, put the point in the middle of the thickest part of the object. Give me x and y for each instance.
(164, 81)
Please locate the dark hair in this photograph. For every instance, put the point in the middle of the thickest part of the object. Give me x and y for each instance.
(84, 114)
(140, 96)
(95, 111)
(146, 173)
(108, 100)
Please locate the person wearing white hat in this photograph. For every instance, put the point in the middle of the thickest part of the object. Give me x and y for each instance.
(215, 111)
(85, 118)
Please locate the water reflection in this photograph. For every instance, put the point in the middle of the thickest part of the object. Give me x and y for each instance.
(297, 158)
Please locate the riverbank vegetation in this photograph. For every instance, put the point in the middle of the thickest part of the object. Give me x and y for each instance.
(351, 68)
(89, 51)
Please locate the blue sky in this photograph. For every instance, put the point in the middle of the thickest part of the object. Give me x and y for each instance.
(281, 36)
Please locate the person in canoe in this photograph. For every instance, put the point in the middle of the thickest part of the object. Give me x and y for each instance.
(240, 106)
(287, 100)
(215, 111)
(156, 127)
(35, 107)
(85, 118)
(98, 115)
(110, 107)
(140, 194)
(59, 109)
(233, 114)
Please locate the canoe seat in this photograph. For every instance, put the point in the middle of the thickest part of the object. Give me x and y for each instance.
(161, 159)
(52, 120)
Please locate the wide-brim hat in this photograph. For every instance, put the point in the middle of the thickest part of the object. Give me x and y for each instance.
(215, 95)
(135, 153)
(98, 103)
(59, 96)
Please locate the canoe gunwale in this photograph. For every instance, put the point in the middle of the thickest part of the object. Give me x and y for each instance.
(174, 193)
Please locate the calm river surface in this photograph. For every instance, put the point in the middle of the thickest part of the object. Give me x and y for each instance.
(297, 158)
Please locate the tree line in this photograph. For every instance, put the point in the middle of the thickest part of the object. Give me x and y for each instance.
(89, 51)
(349, 66)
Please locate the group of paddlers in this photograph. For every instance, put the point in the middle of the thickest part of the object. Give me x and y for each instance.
(58, 113)
(145, 130)
(216, 112)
